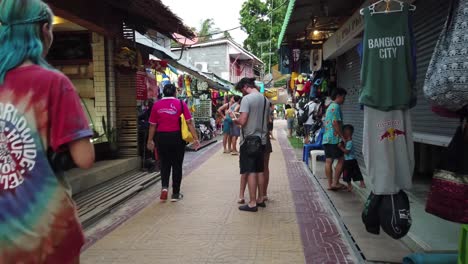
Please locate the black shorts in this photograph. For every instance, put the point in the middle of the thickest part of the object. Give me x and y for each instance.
(251, 164)
(332, 151)
(351, 171)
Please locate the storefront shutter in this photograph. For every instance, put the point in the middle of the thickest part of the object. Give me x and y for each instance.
(349, 70)
(125, 96)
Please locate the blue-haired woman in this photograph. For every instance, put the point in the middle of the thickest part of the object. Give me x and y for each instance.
(40, 113)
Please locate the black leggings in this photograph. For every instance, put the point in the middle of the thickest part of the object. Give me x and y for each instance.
(171, 150)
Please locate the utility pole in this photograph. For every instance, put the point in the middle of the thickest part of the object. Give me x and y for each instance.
(271, 32)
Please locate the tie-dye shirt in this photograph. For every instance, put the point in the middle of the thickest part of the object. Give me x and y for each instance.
(39, 110)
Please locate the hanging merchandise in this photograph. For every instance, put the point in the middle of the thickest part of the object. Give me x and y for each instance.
(158, 65)
(394, 214)
(292, 82)
(151, 86)
(296, 55)
(202, 86)
(193, 86)
(388, 149)
(324, 87)
(315, 60)
(285, 65)
(388, 69)
(307, 87)
(299, 83)
(187, 82)
(446, 82)
(180, 81)
(305, 62)
(165, 80)
(448, 197)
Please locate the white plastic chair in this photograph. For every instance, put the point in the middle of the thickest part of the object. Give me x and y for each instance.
(313, 156)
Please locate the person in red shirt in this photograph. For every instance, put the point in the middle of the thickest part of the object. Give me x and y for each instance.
(165, 124)
(40, 117)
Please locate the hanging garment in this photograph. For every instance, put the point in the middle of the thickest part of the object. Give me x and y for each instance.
(446, 82)
(296, 60)
(388, 150)
(299, 82)
(388, 68)
(285, 61)
(316, 60)
(293, 80)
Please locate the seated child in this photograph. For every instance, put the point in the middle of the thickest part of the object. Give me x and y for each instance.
(351, 170)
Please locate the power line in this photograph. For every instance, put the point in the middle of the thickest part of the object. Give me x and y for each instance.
(216, 33)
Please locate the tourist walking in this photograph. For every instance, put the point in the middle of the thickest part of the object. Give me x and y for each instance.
(41, 119)
(332, 137)
(253, 119)
(227, 123)
(289, 116)
(165, 124)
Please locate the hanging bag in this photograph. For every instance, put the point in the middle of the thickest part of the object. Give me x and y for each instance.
(446, 82)
(186, 134)
(448, 197)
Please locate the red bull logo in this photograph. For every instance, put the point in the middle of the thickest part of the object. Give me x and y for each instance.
(391, 134)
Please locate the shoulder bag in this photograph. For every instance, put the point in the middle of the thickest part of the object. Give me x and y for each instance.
(253, 144)
(186, 134)
(446, 82)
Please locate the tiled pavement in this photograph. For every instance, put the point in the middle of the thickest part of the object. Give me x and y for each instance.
(207, 227)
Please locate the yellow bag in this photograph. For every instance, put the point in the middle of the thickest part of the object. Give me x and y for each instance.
(186, 134)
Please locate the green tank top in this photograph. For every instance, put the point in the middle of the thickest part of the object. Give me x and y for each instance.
(388, 67)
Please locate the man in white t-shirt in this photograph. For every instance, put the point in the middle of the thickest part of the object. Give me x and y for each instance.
(311, 106)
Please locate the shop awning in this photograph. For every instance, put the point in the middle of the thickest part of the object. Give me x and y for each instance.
(173, 59)
(304, 17)
(287, 17)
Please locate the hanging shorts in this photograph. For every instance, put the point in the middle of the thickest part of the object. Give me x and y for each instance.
(388, 150)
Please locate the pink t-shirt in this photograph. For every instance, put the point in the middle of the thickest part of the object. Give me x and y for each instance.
(166, 113)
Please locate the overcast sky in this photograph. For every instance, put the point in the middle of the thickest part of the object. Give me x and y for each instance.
(224, 12)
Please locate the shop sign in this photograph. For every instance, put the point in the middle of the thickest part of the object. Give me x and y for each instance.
(345, 35)
(146, 86)
(151, 86)
(141, 92)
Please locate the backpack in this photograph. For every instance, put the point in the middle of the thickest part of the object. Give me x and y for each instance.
(305, 115)
(394, 214)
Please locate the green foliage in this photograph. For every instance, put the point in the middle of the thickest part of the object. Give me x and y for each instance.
(296, 142)
(256, 22)
(110, 132)
(207, 28)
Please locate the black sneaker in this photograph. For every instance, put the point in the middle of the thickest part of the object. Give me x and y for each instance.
(176, 197)
(247, 208)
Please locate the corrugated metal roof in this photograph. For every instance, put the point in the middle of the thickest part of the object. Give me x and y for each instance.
(172, 58)
(287, 17)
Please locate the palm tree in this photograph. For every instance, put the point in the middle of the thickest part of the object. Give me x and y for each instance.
(207, 29)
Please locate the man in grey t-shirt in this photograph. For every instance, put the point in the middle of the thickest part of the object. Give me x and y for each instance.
(254, 112)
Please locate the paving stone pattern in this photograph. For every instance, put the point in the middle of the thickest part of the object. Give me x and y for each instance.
(321, 235)
(207, 227)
